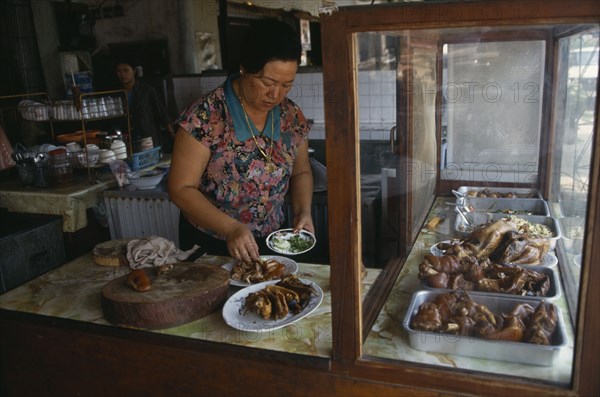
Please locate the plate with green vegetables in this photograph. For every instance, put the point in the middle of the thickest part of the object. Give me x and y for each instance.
(288, 242)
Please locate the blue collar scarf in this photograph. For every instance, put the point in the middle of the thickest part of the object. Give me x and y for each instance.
(242, 132)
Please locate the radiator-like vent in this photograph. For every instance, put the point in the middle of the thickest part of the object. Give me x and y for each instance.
(135, 218)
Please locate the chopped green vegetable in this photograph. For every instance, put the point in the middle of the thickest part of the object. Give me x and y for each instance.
(299, 243)
(291, 243)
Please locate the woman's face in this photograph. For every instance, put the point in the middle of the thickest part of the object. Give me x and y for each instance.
(267, 88)
(125, 74)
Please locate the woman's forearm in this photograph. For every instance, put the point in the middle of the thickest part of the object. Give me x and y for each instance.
(301, 183)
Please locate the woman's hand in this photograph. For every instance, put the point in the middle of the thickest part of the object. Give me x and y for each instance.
(303, 221)
(241, 243)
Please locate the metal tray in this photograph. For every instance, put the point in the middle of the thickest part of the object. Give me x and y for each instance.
(518, 352)
(520, 192)
(481, 218)
(553, 293)
(494, 205)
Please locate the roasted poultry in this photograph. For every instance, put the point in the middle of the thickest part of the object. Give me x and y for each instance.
(471, 274)
(522, 249)
(457, 314)
(277, 300)
(484, 241)
(257, 271)
(501, 242)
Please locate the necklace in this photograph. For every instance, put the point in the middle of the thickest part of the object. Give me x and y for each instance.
(264, 154)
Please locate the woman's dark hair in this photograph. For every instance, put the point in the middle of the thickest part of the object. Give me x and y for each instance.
(268, 40)
(126, 60)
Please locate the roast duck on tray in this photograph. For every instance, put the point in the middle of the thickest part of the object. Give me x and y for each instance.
(457, 314)
(485, 261)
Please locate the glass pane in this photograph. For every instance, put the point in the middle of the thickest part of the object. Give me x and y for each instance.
(397, 75)
(377, 115)
(574, 130)
(492, 102)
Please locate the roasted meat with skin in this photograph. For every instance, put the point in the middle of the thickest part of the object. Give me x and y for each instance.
(542, 324)
(257, 271)
(440, 264)
(457, 314)
(428, 318)
(522, 249)
(277, 300)
(485, 240)
(454, 313)
(471, 274)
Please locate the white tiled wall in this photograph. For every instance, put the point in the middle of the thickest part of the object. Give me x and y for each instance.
(376, 98)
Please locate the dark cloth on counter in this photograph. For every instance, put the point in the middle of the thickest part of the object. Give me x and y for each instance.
(189, 236)
(148, 114)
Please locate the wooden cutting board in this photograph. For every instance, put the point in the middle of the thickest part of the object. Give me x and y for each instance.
(186, 293)
(111, 253)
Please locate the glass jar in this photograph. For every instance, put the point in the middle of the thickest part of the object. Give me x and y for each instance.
(60, 171)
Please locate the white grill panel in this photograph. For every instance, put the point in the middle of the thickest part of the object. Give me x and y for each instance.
(136, 218)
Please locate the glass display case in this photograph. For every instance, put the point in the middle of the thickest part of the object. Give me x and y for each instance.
(439, 118)
(491, 107)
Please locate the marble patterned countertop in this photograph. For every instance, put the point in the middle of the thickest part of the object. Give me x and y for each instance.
(73, 291)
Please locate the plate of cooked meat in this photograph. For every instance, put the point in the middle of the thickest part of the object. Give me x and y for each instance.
(272, 304)
(269, 267)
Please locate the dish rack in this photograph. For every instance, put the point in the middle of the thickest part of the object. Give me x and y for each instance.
(145, 159)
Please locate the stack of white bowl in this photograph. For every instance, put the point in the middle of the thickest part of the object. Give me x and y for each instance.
(120, 150)
(106, 156)
(146, 144)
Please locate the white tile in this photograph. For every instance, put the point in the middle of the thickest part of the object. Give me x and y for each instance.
(387, 114)
(308, 113)
(319, 114)
(295, 94)
(375, 76)
(363, 115)
(379, 135)
(375, 114)
(375, 88)
(388, 76)
(388, 101)
(363, 89)
(374, 101)
(388, 88)
(363, 77)
(299, 78)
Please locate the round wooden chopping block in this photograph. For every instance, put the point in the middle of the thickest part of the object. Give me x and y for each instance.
(111, 253)
(187, 292)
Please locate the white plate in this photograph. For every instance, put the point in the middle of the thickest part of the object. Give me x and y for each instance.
(286, 234)
(291, 267)
(233, 310)
(438, 252)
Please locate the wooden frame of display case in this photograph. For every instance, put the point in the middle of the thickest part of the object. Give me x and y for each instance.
(341, 115)
(48, 355)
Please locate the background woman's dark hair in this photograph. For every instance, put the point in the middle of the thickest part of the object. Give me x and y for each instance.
(127, 60)
(268, 40)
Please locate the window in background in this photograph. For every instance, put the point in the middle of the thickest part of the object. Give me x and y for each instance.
(492, 104)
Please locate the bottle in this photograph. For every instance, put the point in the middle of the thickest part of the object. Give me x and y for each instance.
(60, 171)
